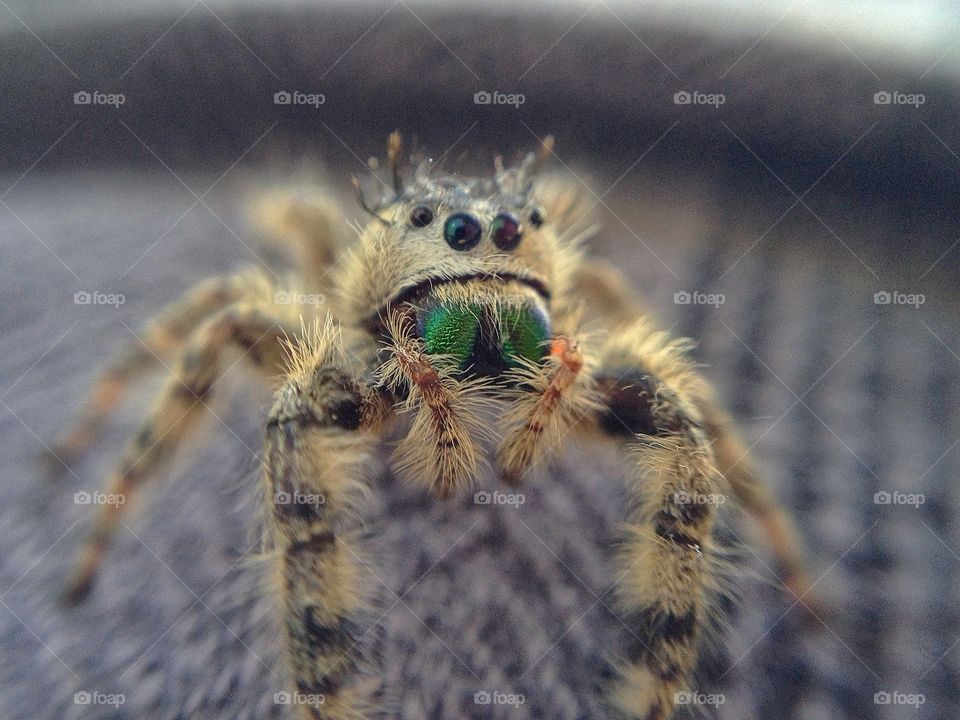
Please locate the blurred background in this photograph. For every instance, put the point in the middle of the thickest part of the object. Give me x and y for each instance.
(779, 182)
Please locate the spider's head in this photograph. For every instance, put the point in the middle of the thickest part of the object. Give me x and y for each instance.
(471, 261)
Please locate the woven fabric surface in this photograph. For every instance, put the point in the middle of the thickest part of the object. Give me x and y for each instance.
(842, 398)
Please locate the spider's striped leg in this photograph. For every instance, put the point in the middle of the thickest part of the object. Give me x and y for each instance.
(322, 431)
(176, 412)
(607, 293)
(667, 566)
(307, 226)
(163, 337)
(609, 296)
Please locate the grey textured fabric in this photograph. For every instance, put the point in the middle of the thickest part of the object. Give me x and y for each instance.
(494, 598)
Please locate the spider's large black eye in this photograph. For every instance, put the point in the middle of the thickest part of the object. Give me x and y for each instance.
(421, 216)
(462, 231)
(507, 231)
(536, 217)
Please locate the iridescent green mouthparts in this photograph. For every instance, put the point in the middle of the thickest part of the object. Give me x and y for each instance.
(475, 334)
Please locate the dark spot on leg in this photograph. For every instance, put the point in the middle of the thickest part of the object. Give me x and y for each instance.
(248, 344)
(693, 513)
(195, 391)
(315, 543)
(326, 639)
(329, 684)
(665, 526)
(144, 438)
(347, 413)
(655, 711)
(656, 625)
(193, 360)
(637, 402)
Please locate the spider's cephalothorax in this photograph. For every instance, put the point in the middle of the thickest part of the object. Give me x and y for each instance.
(473, 272)
(458, 294)
(470, 264)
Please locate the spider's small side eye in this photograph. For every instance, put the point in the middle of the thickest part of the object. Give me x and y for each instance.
(537, 217)
(421, 216)
(462, 231)
(507, 231)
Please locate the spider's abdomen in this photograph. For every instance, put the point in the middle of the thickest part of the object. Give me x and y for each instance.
(485, 338)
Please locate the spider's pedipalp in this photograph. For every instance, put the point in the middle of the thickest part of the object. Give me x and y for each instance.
(441, 447)
(549, 400)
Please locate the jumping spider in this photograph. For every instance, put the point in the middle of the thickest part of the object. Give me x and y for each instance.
(459, 294)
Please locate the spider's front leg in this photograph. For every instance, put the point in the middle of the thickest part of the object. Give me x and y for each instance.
(638, 391)
(322, 430)
(667, 569)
